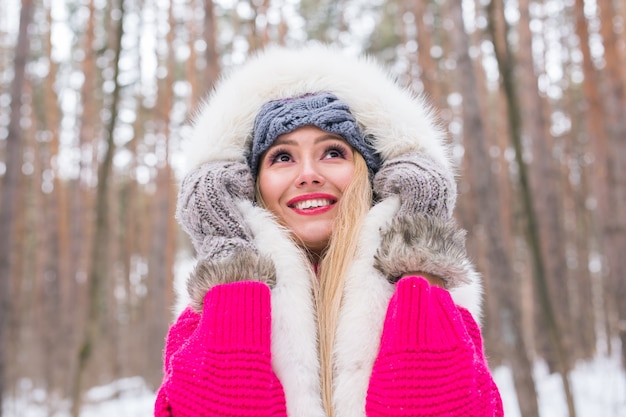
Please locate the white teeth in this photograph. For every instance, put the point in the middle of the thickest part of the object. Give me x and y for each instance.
(308, 204)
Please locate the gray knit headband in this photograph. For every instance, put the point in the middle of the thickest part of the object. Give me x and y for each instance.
(323, 110)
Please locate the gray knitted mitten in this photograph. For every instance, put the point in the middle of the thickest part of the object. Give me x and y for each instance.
(421, 183)
(206, 210)
(423, 236)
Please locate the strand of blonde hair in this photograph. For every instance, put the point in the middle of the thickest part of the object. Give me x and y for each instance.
(333, 268)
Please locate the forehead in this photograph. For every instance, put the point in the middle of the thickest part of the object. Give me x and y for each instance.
(306, 134)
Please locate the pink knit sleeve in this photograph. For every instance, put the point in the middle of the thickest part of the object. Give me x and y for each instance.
(219, 363)
(428, 364)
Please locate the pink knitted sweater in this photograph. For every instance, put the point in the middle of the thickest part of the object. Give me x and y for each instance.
(430, 363)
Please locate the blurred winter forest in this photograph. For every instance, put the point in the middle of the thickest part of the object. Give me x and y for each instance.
(96, 96)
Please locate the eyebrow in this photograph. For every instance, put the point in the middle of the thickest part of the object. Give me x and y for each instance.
(323, 138)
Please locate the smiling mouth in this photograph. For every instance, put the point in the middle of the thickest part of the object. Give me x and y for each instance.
(313, 204)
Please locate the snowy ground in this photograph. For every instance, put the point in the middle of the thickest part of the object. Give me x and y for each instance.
(599, 391)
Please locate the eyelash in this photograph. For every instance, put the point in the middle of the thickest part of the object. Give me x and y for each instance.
(342, 151)
(276, 153)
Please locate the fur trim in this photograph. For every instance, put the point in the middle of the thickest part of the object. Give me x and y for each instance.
(364, 310)
(470, 296)
(424, 243)
(294, 324)
(364, 307)
(397, 119)
(242, 265)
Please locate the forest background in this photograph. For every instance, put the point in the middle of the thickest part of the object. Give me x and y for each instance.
(95, 100)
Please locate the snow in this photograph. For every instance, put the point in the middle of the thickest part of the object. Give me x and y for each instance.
(599, 391)
(128, 397)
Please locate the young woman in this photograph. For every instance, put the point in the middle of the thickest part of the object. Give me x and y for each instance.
(331, 277)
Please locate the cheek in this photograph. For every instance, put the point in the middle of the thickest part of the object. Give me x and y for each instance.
(345, 177)
(269, 186)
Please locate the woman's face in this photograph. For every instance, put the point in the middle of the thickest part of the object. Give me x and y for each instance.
(302, 177)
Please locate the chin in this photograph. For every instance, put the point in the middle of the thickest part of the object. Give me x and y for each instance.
(315, 242)
(315, 237)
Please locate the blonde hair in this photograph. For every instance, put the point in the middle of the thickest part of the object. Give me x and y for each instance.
(333, 268)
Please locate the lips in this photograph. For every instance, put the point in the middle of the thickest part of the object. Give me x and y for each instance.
(309, 204)
(312, 203)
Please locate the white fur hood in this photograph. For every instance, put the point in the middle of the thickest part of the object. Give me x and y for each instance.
(399, 121)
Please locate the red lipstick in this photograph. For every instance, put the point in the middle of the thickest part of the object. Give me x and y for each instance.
(326, 205)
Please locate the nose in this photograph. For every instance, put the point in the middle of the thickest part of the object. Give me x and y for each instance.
(309, 174)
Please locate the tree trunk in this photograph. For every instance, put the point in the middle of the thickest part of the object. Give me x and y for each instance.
(580, 239)
(191, 67)
(210, 37)
(615, 227)
(506, 67)
(545, 182)
(485, 189)
(54, 329)
(10, 183)
(80, 200)
(594, 118)
(100, 246)
(163, 236)
(579, 231)
(429, 73)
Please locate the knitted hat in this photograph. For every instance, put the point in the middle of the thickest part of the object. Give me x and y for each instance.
(323, 110)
